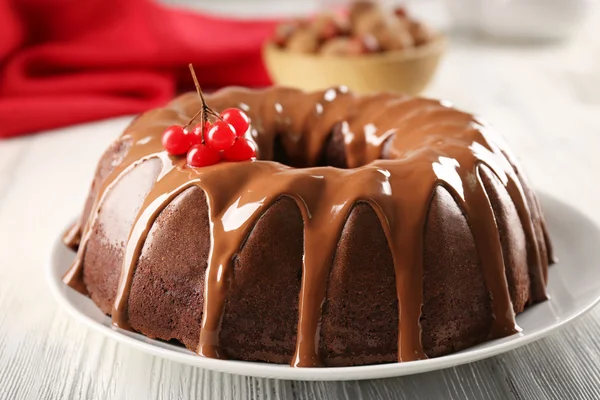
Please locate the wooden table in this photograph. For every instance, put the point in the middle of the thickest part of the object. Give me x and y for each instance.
(545, 99)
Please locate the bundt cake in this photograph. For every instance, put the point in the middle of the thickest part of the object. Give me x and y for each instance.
(371, 229)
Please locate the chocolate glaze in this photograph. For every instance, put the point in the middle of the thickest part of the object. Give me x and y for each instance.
(397, 150)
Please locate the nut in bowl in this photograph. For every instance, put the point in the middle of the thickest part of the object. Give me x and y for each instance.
(369, 49)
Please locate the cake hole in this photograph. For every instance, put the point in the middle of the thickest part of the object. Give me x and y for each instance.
(279, 153)
(333, 153)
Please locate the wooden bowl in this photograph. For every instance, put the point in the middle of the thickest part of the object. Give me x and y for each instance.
(407, 71)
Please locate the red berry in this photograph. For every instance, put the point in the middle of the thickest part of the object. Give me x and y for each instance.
(236, 118)
(242, 150)
(202, 156)
(176, 140)
(220, 136)
(196, 134)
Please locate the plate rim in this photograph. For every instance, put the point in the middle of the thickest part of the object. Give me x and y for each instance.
(280, 371)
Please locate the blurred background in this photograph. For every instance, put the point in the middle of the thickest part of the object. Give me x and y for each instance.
(75, 62)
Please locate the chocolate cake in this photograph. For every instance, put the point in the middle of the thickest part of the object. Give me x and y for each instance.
(371, 229)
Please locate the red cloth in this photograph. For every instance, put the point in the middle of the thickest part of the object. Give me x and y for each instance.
(69, 61)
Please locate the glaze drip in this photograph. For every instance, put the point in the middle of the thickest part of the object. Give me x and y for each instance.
(398, 150)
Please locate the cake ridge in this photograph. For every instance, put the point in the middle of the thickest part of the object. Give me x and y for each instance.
(399, 189)
(514, 186)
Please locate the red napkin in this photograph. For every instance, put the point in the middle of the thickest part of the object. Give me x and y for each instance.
(69, 61)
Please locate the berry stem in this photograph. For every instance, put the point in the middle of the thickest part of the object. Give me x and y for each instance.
(192, 119)
(205, 110)
(197, 84)
(202, 111)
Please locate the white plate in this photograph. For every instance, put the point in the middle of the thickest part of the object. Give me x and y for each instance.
(574, 287)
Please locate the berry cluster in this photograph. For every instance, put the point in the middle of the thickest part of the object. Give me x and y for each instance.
(209, 143)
